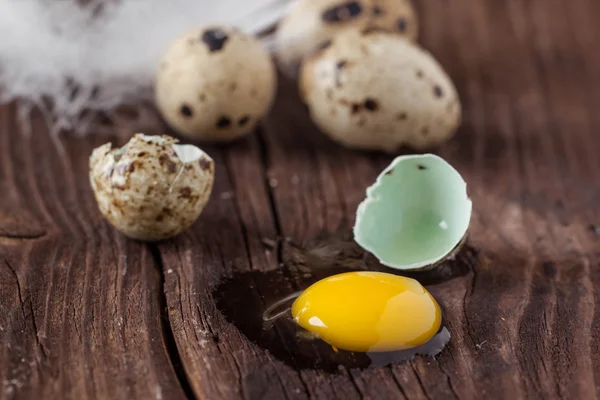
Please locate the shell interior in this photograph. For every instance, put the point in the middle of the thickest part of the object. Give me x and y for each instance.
(188, 153)
(416, 214)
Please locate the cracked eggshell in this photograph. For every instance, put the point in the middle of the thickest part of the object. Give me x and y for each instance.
(376, 91)
(215, 83)
(152, 188)
(311, 23)
(416, 214)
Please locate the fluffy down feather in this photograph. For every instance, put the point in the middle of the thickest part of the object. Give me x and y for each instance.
(99, 54)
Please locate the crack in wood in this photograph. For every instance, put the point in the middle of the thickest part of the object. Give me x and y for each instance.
(448, 379)
(22, 303)
(468, 293)
(420, 382)
(12, 270)
(264, 159)
(22, 236)
(353, 382)
(397, 382)
(37, 336)
(165, 327)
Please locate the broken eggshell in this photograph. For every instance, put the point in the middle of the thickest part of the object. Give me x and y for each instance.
(416, 215)
(152, 188)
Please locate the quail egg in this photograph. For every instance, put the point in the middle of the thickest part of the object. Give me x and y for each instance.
(376, 91)
(311, 23)
(215, 83)
(152, 188)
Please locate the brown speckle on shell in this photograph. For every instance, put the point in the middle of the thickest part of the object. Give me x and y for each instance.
(401, 116)
(371, 104)
(186, 111)
(342, 12)
(339, 66)
(402, 24)
(437, 91)
(215, 39)
(378, 11)
(164, 159)
(425, 131)
(204, 164)
(202, 97)
(233, 87)
(420, 74)
(244, 120)
(224, 122)
(185, 193)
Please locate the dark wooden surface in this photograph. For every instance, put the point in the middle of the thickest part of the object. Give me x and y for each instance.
(86, 313)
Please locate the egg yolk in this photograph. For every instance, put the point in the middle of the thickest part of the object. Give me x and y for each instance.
(368, 311)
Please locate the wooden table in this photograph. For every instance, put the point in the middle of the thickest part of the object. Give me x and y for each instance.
(86, 313)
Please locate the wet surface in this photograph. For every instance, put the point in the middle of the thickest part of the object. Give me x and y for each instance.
(244, 298)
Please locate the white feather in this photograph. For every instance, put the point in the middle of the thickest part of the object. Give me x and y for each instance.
(47, 46)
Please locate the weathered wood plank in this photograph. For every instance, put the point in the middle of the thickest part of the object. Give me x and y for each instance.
(81, 305)
(523, 319)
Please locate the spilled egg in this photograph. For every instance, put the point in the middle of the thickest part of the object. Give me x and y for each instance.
(414, 217)
(368, 312)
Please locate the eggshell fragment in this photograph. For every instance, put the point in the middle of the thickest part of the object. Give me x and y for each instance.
(311, 23)
(215, 83)
(152, 188)
(376, 91)
(416, 214)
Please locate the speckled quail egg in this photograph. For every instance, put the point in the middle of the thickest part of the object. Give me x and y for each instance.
(311, 23)
(152, 188)
(416, 215)
(215, 83)
(376, 91)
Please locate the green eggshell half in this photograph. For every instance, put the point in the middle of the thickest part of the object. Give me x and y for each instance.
(416, 214)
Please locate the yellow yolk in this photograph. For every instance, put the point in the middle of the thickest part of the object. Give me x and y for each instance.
(368, 311)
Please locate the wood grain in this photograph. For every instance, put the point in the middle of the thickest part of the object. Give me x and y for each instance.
(86, 313)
